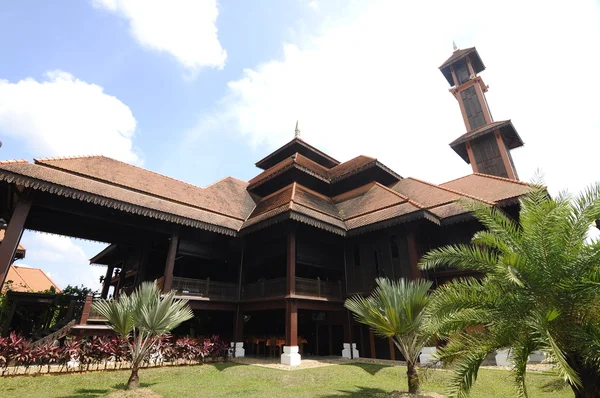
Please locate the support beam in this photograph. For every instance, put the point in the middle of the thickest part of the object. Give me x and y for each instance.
(291, 350)
(413, 254)
(291, 263)
(13, 233)
(170, 265)
(372, 342)
(107, 278)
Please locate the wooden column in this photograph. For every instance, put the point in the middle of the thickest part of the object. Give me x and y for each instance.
(372, 342)
(13, 233)
(392, 351)
(170, 265)
(123, 275)
(291, 263)
(107, 278)
(291, 323)
(413, 254)
(348, 334)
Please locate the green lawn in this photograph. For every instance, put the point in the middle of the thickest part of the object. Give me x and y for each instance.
(236, 380)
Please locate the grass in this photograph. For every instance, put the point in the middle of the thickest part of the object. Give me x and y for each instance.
(237, 380)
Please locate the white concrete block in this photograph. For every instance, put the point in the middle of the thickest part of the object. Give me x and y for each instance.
(346, 351)
(238, 347)
(503, 358)
(537, 356)
(426, 355)
(291, 355)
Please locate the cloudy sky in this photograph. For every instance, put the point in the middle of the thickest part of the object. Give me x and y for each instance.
(201, 89)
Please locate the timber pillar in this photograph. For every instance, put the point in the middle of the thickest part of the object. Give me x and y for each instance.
(14, 232)
(170, 264)
(349, 350)
(107, 279)
(413, 254)
(291, 355)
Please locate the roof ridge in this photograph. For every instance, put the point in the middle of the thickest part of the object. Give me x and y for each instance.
(13, 161)
(69, 157)
(453, 191)
(293, 194)
(221, 180)
(379, 209)
(456, 179)
(413, 202)
(504, 179)
(120, 161)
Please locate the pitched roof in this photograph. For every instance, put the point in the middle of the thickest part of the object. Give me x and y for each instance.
(20, 249)
(457, 55)
(509, 134)
(25, 279)
(297, 145)
(230, 198)
(66, 184)
(488, 187)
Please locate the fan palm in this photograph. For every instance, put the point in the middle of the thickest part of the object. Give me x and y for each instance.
(396, 309)
(538, 289)
(141, 318)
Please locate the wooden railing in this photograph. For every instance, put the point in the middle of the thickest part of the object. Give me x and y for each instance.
(59, 334)
(205, 288)
(264, 288)
(318, 288)
(304, 287)
(95, 315)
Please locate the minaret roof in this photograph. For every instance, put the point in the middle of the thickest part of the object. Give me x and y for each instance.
(457, 55)
(508, 131)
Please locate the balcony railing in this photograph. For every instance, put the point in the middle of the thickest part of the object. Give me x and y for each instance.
(304, 287)
(318, 288)
(264, 288)
(205, 288)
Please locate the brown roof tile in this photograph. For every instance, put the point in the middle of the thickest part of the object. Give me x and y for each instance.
(122, 174)
(99, 192)
(490, 188)
(398, 210)
(350, 166)
(373, 198)
(424, 193)
(25, 279)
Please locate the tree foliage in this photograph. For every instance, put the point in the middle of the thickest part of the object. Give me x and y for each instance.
(539, 290)
(141, 319)
(396, 309)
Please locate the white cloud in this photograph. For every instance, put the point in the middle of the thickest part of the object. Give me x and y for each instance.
(186, 29)
(64, 259)
(370, 84)
(314, 5)
(63, 115)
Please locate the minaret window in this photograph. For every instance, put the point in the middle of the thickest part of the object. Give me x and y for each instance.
(461, 71)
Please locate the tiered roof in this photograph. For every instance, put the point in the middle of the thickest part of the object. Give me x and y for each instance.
(26, 279)
(359, 195)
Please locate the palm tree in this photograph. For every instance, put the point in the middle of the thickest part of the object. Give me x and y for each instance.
(536, 287)
(141, 318)
(396, 309)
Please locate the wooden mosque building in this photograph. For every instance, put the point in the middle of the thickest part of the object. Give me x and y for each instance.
(268, 263)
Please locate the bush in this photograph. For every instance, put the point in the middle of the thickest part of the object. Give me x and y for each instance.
(15, 350)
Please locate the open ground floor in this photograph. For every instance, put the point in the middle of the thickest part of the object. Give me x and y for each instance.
(328, 378)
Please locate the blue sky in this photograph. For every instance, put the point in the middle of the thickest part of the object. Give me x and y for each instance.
(200, 89)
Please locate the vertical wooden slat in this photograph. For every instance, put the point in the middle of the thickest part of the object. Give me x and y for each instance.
(170, 264)
(372, 342)
(107, 279)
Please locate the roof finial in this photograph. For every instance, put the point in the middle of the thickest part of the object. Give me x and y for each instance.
(454, 45)
(297, 131)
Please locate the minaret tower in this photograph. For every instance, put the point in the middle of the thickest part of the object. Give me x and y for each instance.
(486, 145)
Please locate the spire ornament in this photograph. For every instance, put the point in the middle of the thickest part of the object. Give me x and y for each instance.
(454, 45)
(297, 131)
